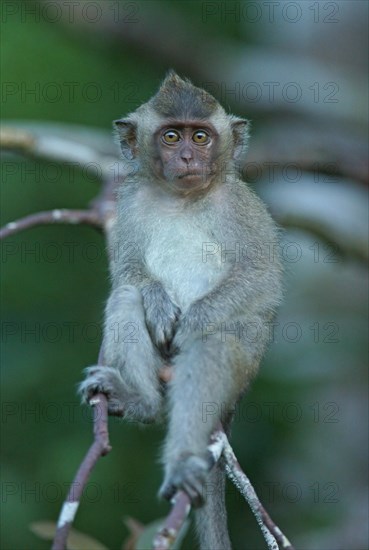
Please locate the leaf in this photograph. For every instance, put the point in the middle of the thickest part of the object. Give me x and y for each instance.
(135, 528)
(76, 540)
(43, 529)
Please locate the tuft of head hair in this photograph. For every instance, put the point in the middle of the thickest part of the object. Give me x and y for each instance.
(179, 98)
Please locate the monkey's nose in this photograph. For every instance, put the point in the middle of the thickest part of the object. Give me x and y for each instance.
(186, 155)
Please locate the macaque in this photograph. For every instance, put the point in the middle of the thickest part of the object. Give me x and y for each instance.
(185, 291)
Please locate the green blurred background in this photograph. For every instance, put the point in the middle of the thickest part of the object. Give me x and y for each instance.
(300, 434)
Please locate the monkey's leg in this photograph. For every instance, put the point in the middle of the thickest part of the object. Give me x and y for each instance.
(130, 377)
(206, 383)
(203, 390)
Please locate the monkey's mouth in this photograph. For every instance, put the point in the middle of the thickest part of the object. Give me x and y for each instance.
(204, 174)
(190, 175)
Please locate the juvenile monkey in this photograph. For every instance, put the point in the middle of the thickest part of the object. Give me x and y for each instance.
(184, 291)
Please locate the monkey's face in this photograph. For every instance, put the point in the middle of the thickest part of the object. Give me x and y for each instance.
(185, 155)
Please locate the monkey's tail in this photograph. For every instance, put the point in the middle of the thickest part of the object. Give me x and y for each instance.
(211, 519)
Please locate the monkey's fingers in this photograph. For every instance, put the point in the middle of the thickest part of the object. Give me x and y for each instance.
(188, 475)
(191, 487)
(167, 491)
(102, 379)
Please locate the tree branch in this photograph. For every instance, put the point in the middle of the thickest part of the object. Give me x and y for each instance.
(55, 148)
(273, 536)
(173, 522)
(89, 217)
(100, 447)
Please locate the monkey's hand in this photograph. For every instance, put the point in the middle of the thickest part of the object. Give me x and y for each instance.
(195, 323)
(189, 474)
(161, 314)
(122, 401)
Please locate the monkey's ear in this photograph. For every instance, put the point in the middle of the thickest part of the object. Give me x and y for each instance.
(127, 133)
(240, 131)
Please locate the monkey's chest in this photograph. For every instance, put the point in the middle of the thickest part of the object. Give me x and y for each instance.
(188, 264)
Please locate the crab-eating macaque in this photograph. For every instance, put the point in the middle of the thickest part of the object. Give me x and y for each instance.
(188, 288)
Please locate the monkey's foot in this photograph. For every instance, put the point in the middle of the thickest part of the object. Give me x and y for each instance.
(121, 400)
(189, 475)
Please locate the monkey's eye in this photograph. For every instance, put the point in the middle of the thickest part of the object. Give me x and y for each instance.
(200, 137)
(171, 136)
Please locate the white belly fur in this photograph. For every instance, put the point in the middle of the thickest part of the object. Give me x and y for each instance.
(177, 257)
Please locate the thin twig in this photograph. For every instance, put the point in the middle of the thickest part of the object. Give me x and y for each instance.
(173, 522)
(100, 447)
(274, 537)
(64, 215)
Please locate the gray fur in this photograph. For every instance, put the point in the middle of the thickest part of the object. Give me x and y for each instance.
(182, 275)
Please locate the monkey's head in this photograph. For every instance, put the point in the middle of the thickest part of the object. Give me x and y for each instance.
(183, 137)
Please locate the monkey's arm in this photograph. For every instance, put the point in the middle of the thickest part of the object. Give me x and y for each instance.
(252, 291)
(160, 312)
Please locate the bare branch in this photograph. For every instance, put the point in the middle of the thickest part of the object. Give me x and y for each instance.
(174, 521)
(53, 147)
(100, 447)
(273, 536)
(89, 217)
